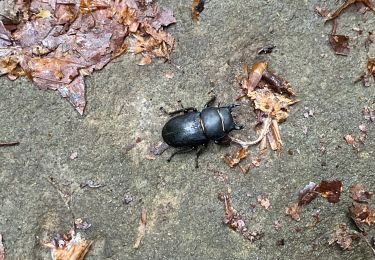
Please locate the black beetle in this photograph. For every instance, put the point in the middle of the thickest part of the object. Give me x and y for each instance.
(194, 128)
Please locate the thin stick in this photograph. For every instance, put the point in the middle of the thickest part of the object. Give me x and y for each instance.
(265, 130)
(9, 143)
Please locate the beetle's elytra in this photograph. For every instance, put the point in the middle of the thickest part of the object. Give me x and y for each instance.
(193, 128)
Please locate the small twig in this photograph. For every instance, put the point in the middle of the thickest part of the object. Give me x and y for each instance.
(9, 143)
(141, 229)
(265, 130)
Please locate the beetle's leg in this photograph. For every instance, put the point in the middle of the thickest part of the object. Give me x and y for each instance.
(238, 127)
(210, 102)
(199, 152)
(223, 141)
(233, 106)
(184, 150)
(184, 110)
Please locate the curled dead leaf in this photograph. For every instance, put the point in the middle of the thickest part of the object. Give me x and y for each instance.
(233, 161)
(358, 194)
(362, 213)
(69, 246)
(331, 190)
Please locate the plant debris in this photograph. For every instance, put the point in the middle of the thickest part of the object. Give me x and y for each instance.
(196, 8)
(368, 114)
(331, 190)
(358, 194)
(266, 49)
(234, 220)
(233, 161)
(339, 44)
(69, 246)
(2, 249)
(58, 44)
(271, 98)
(277, 225)
(141, 229)
(345, 4)
(307, 194)
(362, 213)
(343, 237)
(264, 201)
(9, 143)
(91, 184)
(81, 224)
(293, 210)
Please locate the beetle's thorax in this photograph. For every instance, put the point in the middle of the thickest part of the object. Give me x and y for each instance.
(216, 122)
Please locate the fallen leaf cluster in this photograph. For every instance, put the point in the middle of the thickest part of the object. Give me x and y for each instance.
(330, 190)
(361, 213)
(59, 43)
(69, 246)
(234, 220)
(340, 43)
(271, 96)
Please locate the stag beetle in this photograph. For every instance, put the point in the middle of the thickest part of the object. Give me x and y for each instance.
(193, 128)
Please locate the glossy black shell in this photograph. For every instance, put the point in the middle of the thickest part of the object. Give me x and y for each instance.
(197, 128)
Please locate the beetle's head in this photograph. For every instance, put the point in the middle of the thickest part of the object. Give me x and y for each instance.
(228, 122)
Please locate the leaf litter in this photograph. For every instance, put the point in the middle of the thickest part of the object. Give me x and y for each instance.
(331, 190)
(69, 246)
(59, 44)
(234, 220)
(270, 96)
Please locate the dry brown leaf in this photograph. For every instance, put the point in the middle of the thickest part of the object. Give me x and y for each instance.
(339, 44)
(307, 194)
(233, 161)
(293, 210)
(349, 139)
(358, 194)
(331, 190)
(362, 213)
(253, 76)
(66, 41)
(141, 229)
(264, 201)
(343, 237)
(145, 60)
(69, 246)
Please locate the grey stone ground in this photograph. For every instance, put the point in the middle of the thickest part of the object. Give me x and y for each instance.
(185, 216)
